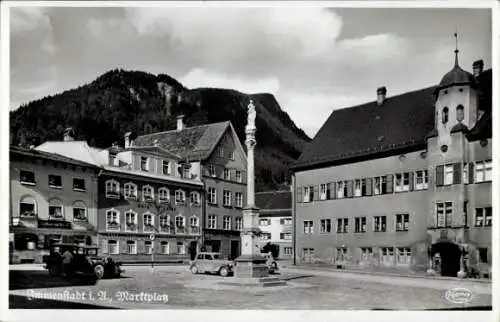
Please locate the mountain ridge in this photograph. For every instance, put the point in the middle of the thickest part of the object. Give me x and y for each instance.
(119, 101)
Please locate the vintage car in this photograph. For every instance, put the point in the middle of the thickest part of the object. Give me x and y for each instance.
(212, 263)
(85, 262)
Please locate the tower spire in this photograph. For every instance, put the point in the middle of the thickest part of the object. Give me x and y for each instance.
(456, 48)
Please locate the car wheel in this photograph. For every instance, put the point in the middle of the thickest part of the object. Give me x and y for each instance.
(194, 270)
(54, 270)
(99, 271)
(223, 271)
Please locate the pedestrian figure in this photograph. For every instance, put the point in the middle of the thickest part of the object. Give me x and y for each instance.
(67, 262)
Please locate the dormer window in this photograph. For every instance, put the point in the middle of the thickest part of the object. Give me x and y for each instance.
(144, 164)
(460, 113)
(221, 152)
(112, 158)
(445, 115)
(186, 172)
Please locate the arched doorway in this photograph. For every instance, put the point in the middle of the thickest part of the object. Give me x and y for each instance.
(450, 257)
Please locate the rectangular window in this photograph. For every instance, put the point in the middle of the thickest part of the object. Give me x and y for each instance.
(186, 172)
(238, 223)
(227, 174)
(358, 191)
(79, 214)
(483, 217)
(287, 251)
(165, 166)
(366, 253)
(402, 182)
(341, 189)
(226, 223)
(231, 155)
(308, 194)
(465, 173)
(360, 225)
(238, 199)
(227, 198)
(444, 214)
(113, 247)
(483, 171)
(322, 191)
(164, 248)
(148, 247)
(308, 227)
(27, 177)
(212, 196)
(402, 222)
(264, 222)
(286, 236)
(340, 254)
(55, 181)
(131, 247)
(387, 255)
(144, 164)
(379, 185)
(78, 184)
(56, 212)
(326, 226)
(181, 249)
(239, 177)
(212, 222)
(380, 223)
(421, 180)
(27, 208)
(112, 158)
(221, 152)
(483, 255)
(308, 254)
(448, 174)
(211, 171)
(342, 224)
(265, 236)
(404, 255)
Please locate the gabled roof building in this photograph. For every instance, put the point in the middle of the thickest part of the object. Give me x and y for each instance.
(402, 182)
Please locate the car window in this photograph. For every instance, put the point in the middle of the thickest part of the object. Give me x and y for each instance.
(92, 252)
(201, 256)
(208, 257)
(217, 256)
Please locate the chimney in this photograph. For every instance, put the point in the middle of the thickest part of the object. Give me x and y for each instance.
(477, 67)
(180, 122)
(68, 134)
(381, 93)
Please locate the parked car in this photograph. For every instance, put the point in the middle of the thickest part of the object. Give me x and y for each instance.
(85, 262)
(271, 263)
(212, 263)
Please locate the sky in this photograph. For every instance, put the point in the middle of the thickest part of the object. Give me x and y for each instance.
(312, 59)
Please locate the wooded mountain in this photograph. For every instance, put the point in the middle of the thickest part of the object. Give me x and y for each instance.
(120, 101)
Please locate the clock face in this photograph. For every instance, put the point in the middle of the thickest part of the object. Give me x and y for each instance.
(444, 148)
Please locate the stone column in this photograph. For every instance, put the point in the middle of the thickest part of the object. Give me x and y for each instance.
(251, 263)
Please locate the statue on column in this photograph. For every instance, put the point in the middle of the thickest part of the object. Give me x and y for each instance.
(251, 116)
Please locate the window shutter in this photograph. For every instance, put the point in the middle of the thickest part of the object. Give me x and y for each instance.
(457, 171)
(390, 183)
(350, 189)
(315, 193)
(471, 172)
(329, 191)
(299, 195)
(412, 180)
(334, 190)
(439, 175)
(369, 186)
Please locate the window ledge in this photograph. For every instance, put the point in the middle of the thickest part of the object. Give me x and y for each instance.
(28, 183)
(79, 190)
(112, 196)
(55, 187)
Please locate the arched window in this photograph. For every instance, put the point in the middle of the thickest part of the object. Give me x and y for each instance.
(180, 197)
(147, 193)
(130, 220)
(164, 195)
(164, 247)
(130, 190)
(460, 113)
(180, 225)
(27, 206)
(112, 219)
(148, 220)
(79, 211)
(112, 189)
(194, 197)
(445, 115)
(56, 209)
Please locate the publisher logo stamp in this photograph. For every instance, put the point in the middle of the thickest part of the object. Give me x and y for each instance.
(458, 295)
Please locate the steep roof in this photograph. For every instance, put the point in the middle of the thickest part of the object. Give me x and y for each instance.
(401, 123)
(192, 143)
(78, 150)
(456, 76)
(49, 156)
(274, 200)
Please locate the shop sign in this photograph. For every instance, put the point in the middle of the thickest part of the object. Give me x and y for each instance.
(54, 224)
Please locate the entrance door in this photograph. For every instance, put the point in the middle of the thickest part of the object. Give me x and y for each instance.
(450, 257)
(192, 249)
(235, 249)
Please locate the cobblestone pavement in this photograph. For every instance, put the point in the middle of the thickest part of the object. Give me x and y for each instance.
(306, 290)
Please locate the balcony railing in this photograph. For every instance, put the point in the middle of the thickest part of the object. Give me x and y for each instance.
(165, 229)
(113, 225)
(149, 228)
(194, 230)
(180, 230)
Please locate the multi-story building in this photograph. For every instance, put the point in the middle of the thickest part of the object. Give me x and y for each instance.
(149, 205)
(275, 220)
(216, 151)
(52, 199)
(403, 181)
